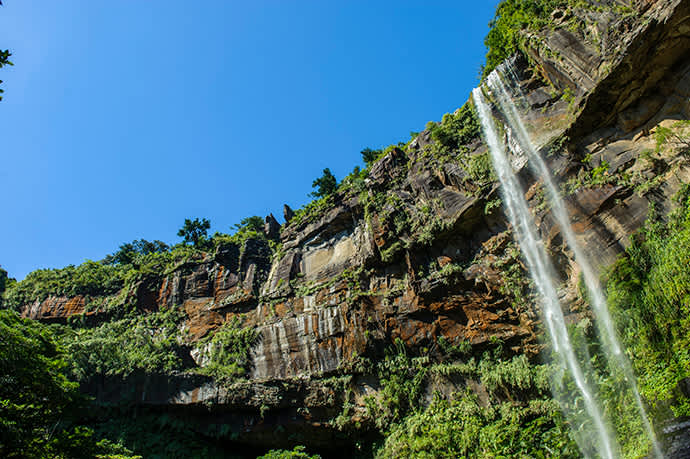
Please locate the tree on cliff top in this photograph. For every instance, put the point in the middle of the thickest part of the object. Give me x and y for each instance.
(4, 60)
(128, 252)
(369, 156)
(253, 223)
(325, 185)
(194, 231)
(3, 279)
(5, 283)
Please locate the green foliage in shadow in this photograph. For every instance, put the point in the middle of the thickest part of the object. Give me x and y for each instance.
(298, 452)
(146, 342)
(39, 406)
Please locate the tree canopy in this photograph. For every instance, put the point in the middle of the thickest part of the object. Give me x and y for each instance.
(4, 60)
(39, 406)
(369, 155)
(324, 185)
(194, 231)
(128, 251)
(253, 223)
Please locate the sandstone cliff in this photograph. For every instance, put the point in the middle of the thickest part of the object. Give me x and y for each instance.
(418, 251)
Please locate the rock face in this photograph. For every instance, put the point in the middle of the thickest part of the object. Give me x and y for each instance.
(272, 228)
(416, 251)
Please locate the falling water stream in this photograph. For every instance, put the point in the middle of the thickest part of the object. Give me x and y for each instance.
(611, 345)
(595, 428)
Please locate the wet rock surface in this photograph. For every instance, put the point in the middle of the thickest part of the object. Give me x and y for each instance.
(349, 282)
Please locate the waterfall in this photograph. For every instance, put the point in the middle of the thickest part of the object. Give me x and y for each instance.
(611, 344)
(594, 427)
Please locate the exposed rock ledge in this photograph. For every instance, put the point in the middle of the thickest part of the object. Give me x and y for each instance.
(338, 290)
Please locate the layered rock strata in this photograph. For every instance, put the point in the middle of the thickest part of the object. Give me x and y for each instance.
(417, 251)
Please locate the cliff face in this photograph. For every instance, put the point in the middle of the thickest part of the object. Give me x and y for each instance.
(419, 250)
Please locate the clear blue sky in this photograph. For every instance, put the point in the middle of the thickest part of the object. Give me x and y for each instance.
(122, 118)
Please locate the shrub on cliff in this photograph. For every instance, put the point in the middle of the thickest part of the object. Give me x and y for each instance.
(517, 419)
(512, 17)
(464, 428)
(298, 452)
(248, 228)
(456, 129)
(89, 278)
(649, 293)
(253, 223)
(451, 139)
(227, 351)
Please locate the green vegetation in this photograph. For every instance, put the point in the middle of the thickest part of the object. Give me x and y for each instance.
(649, 293)
(5, 282)
(393, 218)
(369, 156)
(402, 380)
(4, 60)
(464, 428)
(161, 435)
(353, 183)
(139, 342)
(325, 188)
(457, 129)
(614, 396)
(129, 252)
(39, 406)
(312, 211)
(481, 172)
(248, 228)
(675, 137)
(515, 22)
(226, 351)
(194, 231)
(512, 17)
(514, 416)
(297, 453)
(518, 420)
(325, 185)
(591, 176)
(451, 139)
(650, 170)
(106, 285)
(250, 224)
(89, 278)
(100, 281)
(42, 413)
